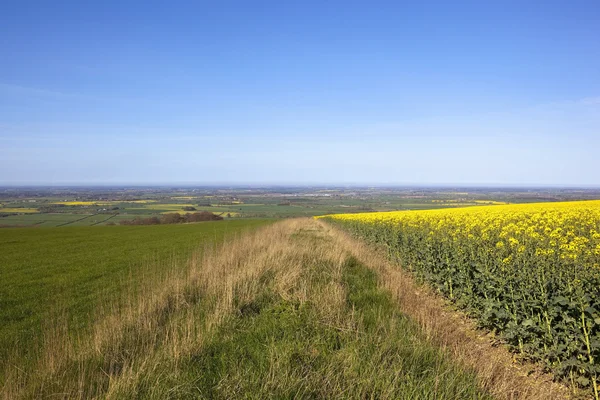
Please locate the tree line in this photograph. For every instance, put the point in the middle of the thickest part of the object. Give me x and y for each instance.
(173, 218)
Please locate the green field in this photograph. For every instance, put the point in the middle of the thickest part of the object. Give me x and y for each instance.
(40, 219)
(48, 271)
(67, 219)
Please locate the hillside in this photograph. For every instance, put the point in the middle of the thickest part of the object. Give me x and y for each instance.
(295, 309)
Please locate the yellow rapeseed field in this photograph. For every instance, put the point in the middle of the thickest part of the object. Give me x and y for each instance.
(18, 210)
(549, 231)
(101, 203)
(79, 203)
(530, 272)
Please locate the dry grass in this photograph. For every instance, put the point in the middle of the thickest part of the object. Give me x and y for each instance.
(498, 370)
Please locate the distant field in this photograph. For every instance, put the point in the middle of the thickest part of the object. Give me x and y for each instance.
(18, 210)
(40, 219)
(74, 268)
(88, 213)
(66, 219)
(168, 206)
(101, 202)
(80, 203)
(40, 211)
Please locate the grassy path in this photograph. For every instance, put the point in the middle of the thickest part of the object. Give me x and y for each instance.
(359, 346)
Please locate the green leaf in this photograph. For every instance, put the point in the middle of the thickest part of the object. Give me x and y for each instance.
(528, 322)
(583, 381)
(591, 310)
(561, 300)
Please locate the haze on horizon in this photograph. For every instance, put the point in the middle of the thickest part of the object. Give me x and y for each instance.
(461, 93)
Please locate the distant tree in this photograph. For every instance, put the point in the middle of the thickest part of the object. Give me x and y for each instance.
(203, 216)
(151, 221)
(189, 208)
(171, 218)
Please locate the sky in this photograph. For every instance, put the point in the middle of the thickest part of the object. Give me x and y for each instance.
(300, 92)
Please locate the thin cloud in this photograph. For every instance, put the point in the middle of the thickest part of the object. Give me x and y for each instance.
(590, 101)
(11, 89)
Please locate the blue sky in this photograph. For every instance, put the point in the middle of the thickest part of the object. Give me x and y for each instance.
(498, 92)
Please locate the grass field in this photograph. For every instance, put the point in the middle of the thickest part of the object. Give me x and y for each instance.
(18, 210)
(47, 272)
(67, 219)
(39, 219)
(165, 206)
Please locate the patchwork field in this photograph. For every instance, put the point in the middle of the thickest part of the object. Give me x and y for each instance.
(85, 207)
(58, 207)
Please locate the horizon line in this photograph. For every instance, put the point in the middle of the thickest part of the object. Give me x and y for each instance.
(299, 185)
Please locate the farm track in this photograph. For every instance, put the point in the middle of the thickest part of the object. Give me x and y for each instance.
(77, 220)
(104, 220)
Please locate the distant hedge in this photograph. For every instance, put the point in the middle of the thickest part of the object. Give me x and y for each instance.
(173, 218)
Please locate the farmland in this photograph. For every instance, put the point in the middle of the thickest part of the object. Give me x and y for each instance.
(528, 272)
(49, 273)
(251, 306)
(46, 207)
(285, 311)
